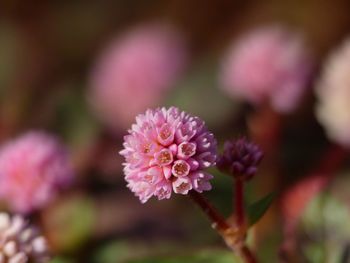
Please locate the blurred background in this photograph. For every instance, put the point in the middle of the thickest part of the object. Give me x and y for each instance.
(64, 69)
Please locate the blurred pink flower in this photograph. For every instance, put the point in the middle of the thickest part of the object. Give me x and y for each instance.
(135, 72)
(333, 94)
(32, 168)
(269, 64)
(166, 151)
(21, 242)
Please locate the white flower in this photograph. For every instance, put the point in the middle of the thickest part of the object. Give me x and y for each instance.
(333, 94)
(20, 242)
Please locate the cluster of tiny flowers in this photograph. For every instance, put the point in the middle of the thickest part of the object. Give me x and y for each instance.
(333, 94)
(240, 158)
(32, 169)
(268, 64)
(166, 151)
(135, 72)
(20, 242)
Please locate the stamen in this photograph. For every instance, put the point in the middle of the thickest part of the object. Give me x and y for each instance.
(182, 187)
(180, 168)
(186, 150)
(164, 157)
(146, 148)
(165, 135)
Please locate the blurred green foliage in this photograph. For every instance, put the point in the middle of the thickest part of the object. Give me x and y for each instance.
(71, 222)
(325, 232)
(122, 252)
(198, 93)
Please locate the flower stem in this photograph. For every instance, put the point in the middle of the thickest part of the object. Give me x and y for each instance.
(247, 255)
(230, 234)
(217, 219)
(239, 202)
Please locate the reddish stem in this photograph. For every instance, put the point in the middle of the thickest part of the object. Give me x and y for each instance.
(247, 255)
(222, 226)
(219, 222)
(239, 202)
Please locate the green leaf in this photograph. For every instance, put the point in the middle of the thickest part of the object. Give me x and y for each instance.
(258, 209)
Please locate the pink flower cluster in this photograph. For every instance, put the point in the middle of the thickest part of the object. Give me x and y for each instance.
(21, 242)
(32, 168)
(166, 151)
(135, 72)
(268, 64)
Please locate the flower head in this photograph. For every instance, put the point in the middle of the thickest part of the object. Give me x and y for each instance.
(268, 64)
(20, 242)
(240, 158)
(32, 168)
(333, 94)
(135, 71)
(166, 151)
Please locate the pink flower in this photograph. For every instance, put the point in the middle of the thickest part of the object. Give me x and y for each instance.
(267, 65)
(32, 168)
(135, 72)
(166, 151)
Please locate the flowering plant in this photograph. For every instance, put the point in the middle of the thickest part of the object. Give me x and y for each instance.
(167, 150)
